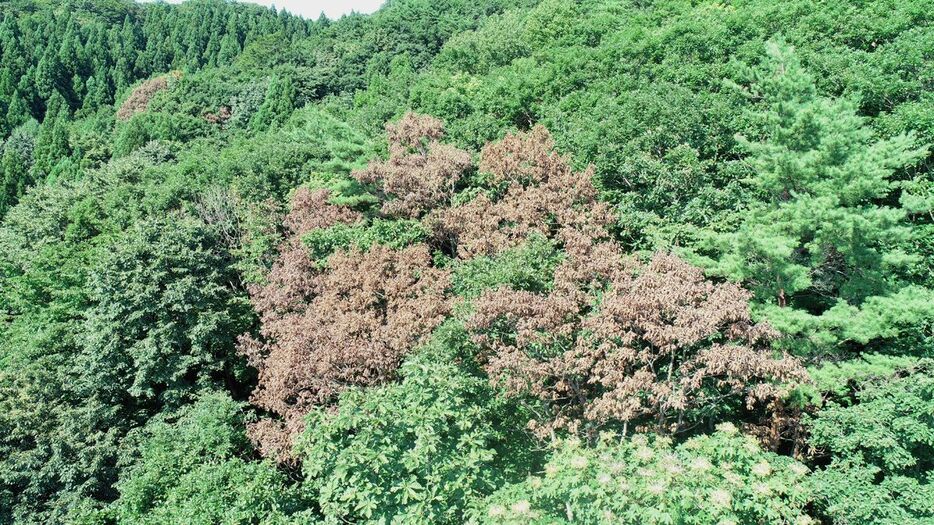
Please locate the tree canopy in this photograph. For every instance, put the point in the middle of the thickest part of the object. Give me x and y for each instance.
(489, 261)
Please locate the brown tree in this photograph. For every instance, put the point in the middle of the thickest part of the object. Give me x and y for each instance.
(614, 340)
(421, 173)
(653, 346)
(537, 192)
(325, 329)
(139, 98)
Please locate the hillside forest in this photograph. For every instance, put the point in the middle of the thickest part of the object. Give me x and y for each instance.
(637, 262)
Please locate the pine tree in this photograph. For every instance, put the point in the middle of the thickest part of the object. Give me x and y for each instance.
(14, 177)
(229, 50)
(78, 89)
(7, 84)
(16, 155)
(211, 51)
(11, 49)
(121, 73)
(819, 239)
(45, 76)
(97, 93)
(68, 50)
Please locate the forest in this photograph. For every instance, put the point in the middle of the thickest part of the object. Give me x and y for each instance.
(661, 262)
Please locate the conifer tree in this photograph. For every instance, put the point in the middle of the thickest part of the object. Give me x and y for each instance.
(229, 49)
(821, 238)
(278, 105)
(14, 173)
(16, 155)
(52, 142)
(45, 75)
(17, 111)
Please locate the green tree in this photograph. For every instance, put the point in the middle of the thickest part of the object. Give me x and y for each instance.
(14, 168)
(16, 157)
(192, 466)
(97, 93)
(165, 317)
(880, 444)
(17, 110)
(279, 103)
(83, 304)
(52, 144)
(419, 451)
(56, 444)
(723, 477)
(46, 75)
(229, 50)
(820, 238)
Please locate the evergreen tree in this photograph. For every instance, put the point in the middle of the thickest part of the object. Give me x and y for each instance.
(52, 144)
(820, 238)
(45, 76)
(97, 93)
(7, 84)
(14, 176)
(16, 155)
(279, 103)
(78, 89)
(17, 111)
(70, 49)
(229, 50)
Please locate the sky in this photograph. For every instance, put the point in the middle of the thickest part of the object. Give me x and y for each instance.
(312, 8)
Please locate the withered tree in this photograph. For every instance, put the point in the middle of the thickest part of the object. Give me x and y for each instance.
(327, 328)
(535, 190)
(421, 172)
(614, 339)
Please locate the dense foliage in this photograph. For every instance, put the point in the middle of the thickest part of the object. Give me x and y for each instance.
(489, 261)
(879, 442)
(418, 451)
(722, 477)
